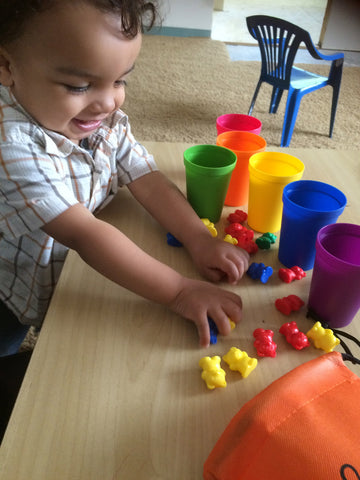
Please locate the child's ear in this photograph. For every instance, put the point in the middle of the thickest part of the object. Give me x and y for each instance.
(5, 70)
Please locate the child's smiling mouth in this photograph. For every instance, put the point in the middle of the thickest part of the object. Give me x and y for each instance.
(86, 125)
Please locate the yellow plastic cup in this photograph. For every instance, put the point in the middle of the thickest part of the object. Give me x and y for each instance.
(269, 172)
(244, 145)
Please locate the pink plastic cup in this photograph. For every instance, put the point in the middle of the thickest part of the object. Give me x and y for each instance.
(238, 122)
(335, 286)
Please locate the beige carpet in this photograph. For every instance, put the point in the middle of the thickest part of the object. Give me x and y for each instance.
(180, 86)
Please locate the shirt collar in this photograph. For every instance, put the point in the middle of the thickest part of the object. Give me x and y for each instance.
(55, 143)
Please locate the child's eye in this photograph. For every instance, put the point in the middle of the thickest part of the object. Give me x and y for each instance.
(73, 89)
(121, 83)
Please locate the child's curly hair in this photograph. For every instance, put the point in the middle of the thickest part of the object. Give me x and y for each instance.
(136, 15)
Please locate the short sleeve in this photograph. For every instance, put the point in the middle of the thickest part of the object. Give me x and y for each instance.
(133, 160)
(32, 189)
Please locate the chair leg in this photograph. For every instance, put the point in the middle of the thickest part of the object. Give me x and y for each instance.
(335, 97)
(275, 99)
(254, 96)
(335, 82)
(291, 111)
(12, 371)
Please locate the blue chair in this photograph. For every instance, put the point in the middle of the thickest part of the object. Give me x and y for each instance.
(279, 42)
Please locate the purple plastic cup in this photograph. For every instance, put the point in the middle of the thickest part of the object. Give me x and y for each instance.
(335, 286)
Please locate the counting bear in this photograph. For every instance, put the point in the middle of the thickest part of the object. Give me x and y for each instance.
(264, 344)
(213, 374)
(293, 336)
(240, 361)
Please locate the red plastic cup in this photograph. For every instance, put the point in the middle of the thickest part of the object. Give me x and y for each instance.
(239, 122)
(244, 145)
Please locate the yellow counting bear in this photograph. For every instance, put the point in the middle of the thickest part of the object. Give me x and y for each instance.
(240, 361)
(213, 374)
(323, 338)
(232, 324)
(228, 238)
(210, 226)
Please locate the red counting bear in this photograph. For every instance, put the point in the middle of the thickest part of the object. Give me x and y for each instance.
(287, 275)
(293, 336)
(289, 304)
(264, 344)
(238, 217)
(243, 235)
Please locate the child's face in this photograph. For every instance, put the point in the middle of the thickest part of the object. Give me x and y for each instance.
(68, 70)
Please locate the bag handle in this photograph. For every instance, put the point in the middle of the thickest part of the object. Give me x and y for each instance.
(342, 471)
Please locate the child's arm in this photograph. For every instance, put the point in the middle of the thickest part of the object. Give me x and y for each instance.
(111, 253)
(214, 258)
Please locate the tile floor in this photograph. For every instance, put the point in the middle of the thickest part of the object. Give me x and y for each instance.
(248, 53)
(229, 26)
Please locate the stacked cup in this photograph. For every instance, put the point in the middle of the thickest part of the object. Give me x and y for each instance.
(244, 145)
(237, 122)
(334, 295)
(237, 171)
(218, 174)
(208, 171)
(239, 133)
(307, 206)
(269, 173)
(305, 212)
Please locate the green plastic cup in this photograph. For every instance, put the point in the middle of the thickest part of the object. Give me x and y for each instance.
(208, 170)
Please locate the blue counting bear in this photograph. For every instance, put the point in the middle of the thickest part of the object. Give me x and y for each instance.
(213, 331)
(172, 241)
(259, 271)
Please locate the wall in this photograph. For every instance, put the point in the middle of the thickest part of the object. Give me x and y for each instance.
(341, 29)
(186, 18)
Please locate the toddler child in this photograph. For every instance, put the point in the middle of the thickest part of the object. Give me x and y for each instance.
(66, 147)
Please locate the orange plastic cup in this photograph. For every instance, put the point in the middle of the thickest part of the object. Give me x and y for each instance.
(244, 145)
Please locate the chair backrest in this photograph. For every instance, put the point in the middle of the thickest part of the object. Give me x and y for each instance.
(279, 41)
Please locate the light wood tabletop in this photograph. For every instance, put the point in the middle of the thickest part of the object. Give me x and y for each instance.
(114, 390)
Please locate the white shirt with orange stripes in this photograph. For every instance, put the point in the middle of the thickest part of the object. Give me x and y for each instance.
(42, 174)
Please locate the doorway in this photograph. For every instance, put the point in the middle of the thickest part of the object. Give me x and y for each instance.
(229, 24)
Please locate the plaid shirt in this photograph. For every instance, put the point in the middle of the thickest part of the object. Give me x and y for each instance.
(42, 174)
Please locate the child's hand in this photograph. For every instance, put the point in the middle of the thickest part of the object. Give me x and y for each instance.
(197, 300)
(216, 259)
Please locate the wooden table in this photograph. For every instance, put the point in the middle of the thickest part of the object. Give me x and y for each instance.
(114, 390)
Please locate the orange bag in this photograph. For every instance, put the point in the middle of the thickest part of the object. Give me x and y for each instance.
(304, 426)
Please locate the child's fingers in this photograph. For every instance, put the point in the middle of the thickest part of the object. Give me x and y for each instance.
(199, 300)
(232, 266)
(223, 324)
(239, 265)
(227, 271)
(233, 271)
(215, 274)
(230, 309)
(234, 311)
(204, 333)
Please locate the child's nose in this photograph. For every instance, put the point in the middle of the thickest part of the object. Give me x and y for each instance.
(109, 101)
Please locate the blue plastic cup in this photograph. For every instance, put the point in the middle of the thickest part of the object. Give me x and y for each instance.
(307, 207)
